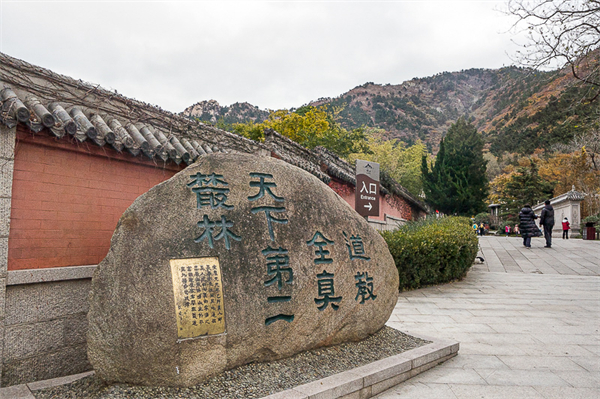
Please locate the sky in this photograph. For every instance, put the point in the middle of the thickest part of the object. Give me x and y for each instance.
(272, 54)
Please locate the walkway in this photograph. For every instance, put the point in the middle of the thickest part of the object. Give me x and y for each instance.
(527, 321)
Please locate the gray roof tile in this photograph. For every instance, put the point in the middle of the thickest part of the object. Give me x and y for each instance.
(40, 99)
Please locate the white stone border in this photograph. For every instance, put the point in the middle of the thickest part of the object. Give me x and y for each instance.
(359, 383)
(372, 379)
(33, 276)
(7, 164)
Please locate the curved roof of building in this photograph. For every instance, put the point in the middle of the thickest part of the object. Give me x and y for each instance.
(42, 99)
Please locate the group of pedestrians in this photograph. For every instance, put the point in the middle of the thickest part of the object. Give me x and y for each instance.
(529, 228)
(507, 230)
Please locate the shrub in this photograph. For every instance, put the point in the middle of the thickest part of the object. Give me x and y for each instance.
(483, 217)
(502, 226)
(432, 251)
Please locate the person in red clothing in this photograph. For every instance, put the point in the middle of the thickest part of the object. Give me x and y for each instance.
(566, 227)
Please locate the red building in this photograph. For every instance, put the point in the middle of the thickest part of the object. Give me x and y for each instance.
(73, 157)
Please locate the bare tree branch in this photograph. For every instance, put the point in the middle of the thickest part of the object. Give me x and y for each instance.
(561, 33)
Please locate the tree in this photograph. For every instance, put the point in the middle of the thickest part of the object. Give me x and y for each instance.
(519, 187)
(574, 170)
(566, 32)
(493, 168)
(308, 126)
(402, 163)
(457, 183)
(588, 141)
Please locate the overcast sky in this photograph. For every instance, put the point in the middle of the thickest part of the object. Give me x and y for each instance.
(273, 54)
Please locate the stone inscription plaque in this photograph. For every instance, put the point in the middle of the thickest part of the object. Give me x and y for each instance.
(198, 294)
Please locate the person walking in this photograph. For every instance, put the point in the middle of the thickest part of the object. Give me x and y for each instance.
(547, 220)
(528, 227)
(507, 230)
(517, 232)
(481, 229)
(566, 226)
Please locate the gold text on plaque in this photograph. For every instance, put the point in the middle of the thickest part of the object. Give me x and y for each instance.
(198, 291)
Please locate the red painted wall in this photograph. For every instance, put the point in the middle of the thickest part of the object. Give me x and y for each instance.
(68, 196)
(67, 200)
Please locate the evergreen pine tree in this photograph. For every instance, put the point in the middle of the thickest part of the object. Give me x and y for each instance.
(526, 186)
(457, 183)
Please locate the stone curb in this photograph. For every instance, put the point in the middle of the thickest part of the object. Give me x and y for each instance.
(372, 379)
(359, 383)
(23, 391)
(47, 275)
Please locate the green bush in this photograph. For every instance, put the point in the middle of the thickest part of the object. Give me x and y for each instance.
(432, 251)
(592, 219)
(503, 225)
(483, 217)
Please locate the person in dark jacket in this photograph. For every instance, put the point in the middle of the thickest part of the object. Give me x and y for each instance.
(527, 225)
(547, 221)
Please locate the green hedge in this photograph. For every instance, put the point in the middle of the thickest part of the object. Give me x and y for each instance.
(432, 251)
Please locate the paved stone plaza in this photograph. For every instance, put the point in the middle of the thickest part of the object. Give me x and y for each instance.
(527, 321)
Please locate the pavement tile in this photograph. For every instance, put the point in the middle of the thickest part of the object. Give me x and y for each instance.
(503, 339)
(560, 363)
(523, 378)
(495, 392)
(591, 364)
(568, 392)
(418, 391)
(464, 327)
(527, 321)
(552, 350)
(595, 349)
(477, 348)
(450, 376)
(567, 339)
(16, 392)
(580, 379)
(475, 361)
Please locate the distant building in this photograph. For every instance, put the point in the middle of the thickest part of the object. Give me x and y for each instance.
(495, 213)
(73, 157)
(565, 205)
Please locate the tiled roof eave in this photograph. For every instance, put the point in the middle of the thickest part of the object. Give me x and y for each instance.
(572, 195)
(41, 99)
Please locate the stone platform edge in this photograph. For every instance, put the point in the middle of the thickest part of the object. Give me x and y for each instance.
(369, 380)
(359, 383)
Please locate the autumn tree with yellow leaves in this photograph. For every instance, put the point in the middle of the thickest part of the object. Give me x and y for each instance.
(402, 163)
(310, 127)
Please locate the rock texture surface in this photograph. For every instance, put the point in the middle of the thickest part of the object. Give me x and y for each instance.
(300, 270)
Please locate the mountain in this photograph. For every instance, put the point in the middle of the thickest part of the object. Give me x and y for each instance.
(516, 109)
(211, 112)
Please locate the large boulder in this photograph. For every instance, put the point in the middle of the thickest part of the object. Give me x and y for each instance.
(235, 259)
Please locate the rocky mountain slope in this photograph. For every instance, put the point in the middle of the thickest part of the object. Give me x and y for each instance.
(211, 112)
(516, 109)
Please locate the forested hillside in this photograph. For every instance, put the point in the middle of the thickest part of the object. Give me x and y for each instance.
(515, 109)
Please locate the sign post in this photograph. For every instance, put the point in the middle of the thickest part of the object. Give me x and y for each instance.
(366, 201)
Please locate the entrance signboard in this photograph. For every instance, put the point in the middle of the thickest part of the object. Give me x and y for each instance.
(367, 188)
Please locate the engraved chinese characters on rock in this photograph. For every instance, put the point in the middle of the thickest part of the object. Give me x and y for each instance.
(356, 247)
(265, 187)
(364, 283)
(279, 271)
(208, 192)
(211, 192)
(325, 283)
(270, 279)
(198, 292)
(325, 279)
